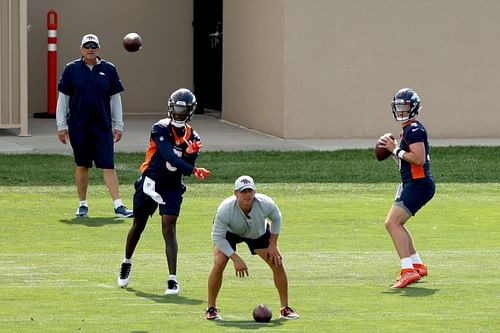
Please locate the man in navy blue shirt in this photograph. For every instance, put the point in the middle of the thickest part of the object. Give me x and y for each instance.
(172, 152)
(417, 185)
(89, 114)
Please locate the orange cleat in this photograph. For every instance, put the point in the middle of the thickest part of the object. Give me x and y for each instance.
(406, 277)
(421, 269)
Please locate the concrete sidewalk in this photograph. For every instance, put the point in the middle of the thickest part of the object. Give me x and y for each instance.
(217, 135)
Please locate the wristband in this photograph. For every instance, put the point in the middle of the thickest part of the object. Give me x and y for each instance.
(399, 152)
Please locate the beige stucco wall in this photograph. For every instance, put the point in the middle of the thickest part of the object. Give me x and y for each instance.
(298, 68)
(149, 76)
(13, 66)
(253, 64)
(328, 69)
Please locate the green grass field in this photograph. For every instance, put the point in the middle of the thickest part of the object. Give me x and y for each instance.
(58, 273)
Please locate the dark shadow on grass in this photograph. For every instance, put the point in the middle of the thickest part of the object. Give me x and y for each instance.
(249, 324)
(170, 299)
(412, 291)
(94, 222)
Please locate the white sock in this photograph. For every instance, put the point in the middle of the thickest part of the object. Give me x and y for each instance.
(118, 202)
(415, 258)
(84, 203)
(127, 261)
(172, 277)
(406, 263)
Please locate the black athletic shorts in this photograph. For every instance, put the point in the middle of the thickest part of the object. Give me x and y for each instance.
(260, 243)
(144, 206)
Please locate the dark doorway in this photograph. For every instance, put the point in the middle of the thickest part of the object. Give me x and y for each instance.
(207, 58)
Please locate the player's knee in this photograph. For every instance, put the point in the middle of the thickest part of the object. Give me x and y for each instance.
(169, 231)
(169, 235)
(390, 225)
(220, 263)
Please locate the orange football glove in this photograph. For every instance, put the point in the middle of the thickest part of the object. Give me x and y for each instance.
(201, 173)
(193, 147)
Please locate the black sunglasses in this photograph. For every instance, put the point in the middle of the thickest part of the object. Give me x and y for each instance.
(92, 46)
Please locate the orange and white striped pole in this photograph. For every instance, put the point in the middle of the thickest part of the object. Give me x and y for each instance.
(52, 62)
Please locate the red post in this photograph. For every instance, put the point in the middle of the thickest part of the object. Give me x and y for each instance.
(52, 62)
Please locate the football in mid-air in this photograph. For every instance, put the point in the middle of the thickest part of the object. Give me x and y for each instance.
(380, 152)
(262, 313)
(132, 42)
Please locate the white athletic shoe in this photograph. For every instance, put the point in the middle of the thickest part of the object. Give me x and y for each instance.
(124, 275)
(172, 288)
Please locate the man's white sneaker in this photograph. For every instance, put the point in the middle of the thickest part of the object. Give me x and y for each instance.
(287, 312)
(172, 288)
(124, 275)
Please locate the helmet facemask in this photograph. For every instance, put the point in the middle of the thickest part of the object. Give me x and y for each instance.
(405, 105)
(179, 113)
(401, 110)
(181, 106)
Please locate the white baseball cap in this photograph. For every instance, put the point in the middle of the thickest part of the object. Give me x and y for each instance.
(90, 38)
(244, 182)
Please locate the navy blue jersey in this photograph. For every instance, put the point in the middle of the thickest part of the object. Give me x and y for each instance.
(413, 133)
(166, 159)
(90, 92)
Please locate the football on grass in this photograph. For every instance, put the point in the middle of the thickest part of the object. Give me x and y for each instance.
(262, 313)
(380, 152)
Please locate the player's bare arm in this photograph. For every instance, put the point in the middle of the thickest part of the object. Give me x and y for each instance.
(416, 155)
(240, 266)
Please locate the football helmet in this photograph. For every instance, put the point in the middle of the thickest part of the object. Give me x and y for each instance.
(181, 106)
(405, 100)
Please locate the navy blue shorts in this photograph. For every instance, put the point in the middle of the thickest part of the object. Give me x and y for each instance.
(145, 206)
(92, 145)
(414, 195)
(260, 243)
